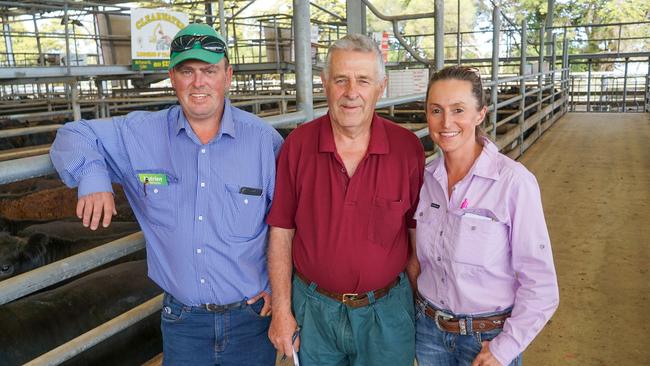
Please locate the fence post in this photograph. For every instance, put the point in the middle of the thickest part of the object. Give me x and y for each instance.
(522, 86)
(495, 68)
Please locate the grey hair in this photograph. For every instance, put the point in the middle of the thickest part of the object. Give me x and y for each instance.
(359, 43)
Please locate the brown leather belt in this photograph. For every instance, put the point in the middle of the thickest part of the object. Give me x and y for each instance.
(463, 326)
(349, 299)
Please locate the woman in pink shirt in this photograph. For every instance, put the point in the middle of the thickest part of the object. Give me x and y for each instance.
(487, 284)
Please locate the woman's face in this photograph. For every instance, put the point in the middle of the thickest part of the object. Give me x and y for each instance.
(453, 114)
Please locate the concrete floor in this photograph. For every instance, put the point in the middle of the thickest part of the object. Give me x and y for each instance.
(594, 173)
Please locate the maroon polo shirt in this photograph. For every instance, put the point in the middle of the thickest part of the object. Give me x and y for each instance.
(350, 233)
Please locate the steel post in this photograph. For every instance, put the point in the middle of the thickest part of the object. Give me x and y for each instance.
(302, 44)
(355, 16)
(522, 86)
(496, 33)
(589, 86)
(540, 78)
(627, 61)
(552, 70)
(439, 56)
(222, 21)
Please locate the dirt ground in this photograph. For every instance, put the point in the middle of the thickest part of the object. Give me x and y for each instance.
(594, 173)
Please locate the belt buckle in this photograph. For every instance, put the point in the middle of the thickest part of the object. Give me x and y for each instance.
(348, 297)
(441, 314)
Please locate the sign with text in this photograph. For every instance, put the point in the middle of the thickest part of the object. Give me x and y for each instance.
(152, 31)
(405, 82)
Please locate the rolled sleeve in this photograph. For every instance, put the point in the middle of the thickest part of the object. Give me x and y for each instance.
(94, 183)
(80, 153)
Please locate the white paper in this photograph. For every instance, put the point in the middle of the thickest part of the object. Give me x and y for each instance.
(296, 362)
(475, 216)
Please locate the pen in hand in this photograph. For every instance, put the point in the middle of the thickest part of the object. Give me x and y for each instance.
(295, 335)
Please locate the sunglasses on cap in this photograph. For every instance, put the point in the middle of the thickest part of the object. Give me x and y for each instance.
(208, 43)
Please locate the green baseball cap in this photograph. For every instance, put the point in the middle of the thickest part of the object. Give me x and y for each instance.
(197, 42)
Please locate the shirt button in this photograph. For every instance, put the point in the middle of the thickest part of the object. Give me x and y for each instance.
(155, 190)
(245, 201)
(202, 184)
(200, 218)
(342, 170)
(202, 151)
(440, 232)
(421, 213)
(199, 251)
(438, 258)
(202, 280)
(442, 302)
(443, 280)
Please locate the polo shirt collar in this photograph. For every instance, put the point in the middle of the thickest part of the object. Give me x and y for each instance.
(378, 137)
(486, 165)
(226, 127)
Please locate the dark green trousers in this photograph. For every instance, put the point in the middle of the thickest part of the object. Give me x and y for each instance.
(333, 334)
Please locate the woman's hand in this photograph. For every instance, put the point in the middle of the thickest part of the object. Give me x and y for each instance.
(485, 357)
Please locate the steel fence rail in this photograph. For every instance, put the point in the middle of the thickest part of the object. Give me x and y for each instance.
(37, 279)
(87, 340)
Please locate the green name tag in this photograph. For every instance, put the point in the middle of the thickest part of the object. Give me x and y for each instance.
(157, 179)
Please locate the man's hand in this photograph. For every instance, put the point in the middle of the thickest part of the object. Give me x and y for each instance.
(91, 207)
(281, 331)
(485, 357)
(266, 309)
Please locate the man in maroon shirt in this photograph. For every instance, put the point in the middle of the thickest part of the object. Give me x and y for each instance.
(341, 222)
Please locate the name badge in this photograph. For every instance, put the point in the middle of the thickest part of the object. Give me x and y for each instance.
(153, 179)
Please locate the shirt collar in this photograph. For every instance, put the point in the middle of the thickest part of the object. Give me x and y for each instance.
(486, 165)
(378, 138)
(226, 127)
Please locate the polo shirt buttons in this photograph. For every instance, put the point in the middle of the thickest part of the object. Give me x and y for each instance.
(155, 190)
(198, 251)
(200, 218)
(202, 184)
(202, 151)
(202, 280)
(342, 170)
(245, 201)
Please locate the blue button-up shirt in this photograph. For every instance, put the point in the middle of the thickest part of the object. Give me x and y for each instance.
(204, 228)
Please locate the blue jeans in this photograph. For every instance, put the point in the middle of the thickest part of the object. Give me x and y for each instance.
(333, 334)
(234, 337)
(435, 347)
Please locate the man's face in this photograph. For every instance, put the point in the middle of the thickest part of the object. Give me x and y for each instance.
(201, 87)
(352, 87)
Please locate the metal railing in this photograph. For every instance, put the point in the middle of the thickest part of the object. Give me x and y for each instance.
(608, 92)
(541, 98)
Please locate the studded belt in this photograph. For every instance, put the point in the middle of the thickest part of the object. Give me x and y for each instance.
(463, 325)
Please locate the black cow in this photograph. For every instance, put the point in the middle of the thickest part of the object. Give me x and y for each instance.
(38, 323)
(41, 244)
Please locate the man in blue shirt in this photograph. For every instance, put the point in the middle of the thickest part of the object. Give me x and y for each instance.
(200, 179)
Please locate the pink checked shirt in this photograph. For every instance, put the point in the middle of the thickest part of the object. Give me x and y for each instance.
(487, 247)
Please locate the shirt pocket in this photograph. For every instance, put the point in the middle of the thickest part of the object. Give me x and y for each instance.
(244, 211)
(160, 202)
(479, 239)
(386, 221)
